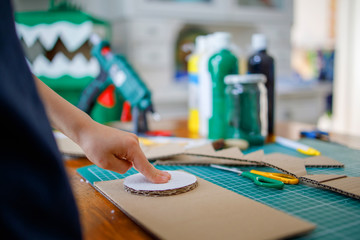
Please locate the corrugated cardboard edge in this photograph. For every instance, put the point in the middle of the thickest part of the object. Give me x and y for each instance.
(162, 216)
(320, 178)
(200, 161)
(322, 161)
(233, 153)
(204, 150)
(163, 151)
(166, 151)
(162, 193)
(171, 150)
(250, 159)
(257, 157)
(348, 186)
(291, 165)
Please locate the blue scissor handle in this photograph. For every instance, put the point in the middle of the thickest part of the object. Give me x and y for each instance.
(263, 181)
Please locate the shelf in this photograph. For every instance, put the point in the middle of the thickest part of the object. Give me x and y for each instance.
(215, 11)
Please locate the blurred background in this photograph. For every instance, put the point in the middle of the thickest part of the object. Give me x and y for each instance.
(315, 45)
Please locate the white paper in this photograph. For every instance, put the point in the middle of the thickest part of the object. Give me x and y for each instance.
(178, 179)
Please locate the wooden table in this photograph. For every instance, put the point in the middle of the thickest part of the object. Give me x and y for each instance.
(100, 219)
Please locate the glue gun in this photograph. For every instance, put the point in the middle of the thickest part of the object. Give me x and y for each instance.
(114, 69)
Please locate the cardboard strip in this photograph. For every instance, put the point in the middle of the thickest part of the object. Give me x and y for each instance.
(257, 157)
(288, 164)
(167, 151)
(322, 161)
(163, 151)
(199, 160)
(201, 151)
(348, 186)
(208, 151)
(320, 178)
(291, 165)
(207, 212)
(251, 159)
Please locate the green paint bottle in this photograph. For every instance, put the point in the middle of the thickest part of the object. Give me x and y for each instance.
(222, 63)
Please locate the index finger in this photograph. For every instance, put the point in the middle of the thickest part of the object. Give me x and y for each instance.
(148, 170)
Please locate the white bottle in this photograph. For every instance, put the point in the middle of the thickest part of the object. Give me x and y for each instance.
(205, 96)
(193, 97)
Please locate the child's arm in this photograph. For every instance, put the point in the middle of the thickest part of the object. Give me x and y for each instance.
(107, 147)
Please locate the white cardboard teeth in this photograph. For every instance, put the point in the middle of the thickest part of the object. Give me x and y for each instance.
(78, 67)
(82, 31)
(28, 34)
(72, 35)
(53, 33)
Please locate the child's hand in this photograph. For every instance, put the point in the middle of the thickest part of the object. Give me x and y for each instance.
(107, 147)
(118, 151)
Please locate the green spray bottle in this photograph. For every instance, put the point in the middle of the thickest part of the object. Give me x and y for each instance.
(222, 63)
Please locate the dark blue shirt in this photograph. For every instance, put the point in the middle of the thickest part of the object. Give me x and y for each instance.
(36, 201)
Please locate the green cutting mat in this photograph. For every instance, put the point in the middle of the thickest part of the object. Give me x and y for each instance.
(336, 216)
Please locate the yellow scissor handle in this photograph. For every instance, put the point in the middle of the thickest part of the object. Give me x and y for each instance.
(285, 178)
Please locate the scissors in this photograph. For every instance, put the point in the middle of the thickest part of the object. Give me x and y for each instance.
(257, 179)
(285, 178)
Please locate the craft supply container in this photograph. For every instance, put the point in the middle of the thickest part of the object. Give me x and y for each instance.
(246, 107)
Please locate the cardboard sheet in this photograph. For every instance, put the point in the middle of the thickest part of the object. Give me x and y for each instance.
(167, 151)
(348, 186)
(320, 178)
(69, 147)
(199, 160)
(208, 151)
(256, 157)
(291, 165)
(207, 212)
(252, 159)
(233, 156)
(163, 151)
(322, 161)
(176, 152)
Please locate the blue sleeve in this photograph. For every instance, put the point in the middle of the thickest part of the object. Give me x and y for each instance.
(36, 200)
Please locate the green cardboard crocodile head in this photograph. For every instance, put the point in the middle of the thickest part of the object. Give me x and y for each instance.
(57, 46)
